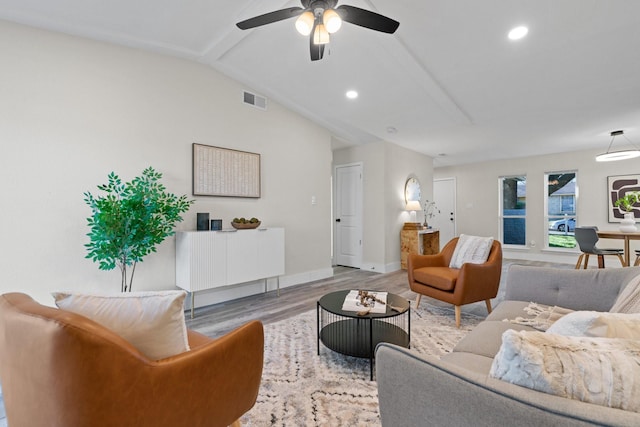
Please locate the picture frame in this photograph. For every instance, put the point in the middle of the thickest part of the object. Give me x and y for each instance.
(617, 187)
(225, 172)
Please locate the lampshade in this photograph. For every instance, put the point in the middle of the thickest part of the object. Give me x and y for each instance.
(320, 34)
(413, 205)
(610, 156)
(304, 23)
(331, 20)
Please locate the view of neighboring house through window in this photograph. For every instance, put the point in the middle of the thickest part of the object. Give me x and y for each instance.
(561, 209)
(513, 201)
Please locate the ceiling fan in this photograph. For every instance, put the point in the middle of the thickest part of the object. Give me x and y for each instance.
(319, 18)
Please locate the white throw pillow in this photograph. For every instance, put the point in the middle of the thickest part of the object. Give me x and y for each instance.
(472, 249)
(628, 300)
(598, 324)
(153, 322)
(603, 371)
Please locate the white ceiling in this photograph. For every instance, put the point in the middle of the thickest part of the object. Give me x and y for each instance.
(448, 80)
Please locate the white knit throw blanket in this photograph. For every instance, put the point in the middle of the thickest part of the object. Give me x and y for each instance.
(545, 315)
(629, 299)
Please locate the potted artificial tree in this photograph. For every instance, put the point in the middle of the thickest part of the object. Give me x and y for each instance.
(129, 220)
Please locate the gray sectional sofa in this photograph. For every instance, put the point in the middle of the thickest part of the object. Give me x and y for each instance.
(456, 390)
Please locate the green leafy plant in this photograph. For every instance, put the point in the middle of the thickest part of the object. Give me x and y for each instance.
(627, 202)
(129, 220)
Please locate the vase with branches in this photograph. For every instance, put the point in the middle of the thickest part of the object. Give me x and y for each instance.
(130, 220)
(430, 210)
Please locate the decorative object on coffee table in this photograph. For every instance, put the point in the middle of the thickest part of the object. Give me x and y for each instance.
(356, 333)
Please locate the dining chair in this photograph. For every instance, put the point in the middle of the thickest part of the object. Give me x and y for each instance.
(587, 237)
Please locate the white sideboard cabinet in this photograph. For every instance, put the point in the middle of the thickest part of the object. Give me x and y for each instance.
(211, 259)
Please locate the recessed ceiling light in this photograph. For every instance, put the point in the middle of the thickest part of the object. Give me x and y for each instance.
(518, 32)
(352, 94)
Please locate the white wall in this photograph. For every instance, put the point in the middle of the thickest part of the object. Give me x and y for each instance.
(477, 197)
(402, 164)
(73, 110)
(386, 167)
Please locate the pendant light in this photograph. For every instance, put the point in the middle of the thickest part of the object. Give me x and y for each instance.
(611, 156)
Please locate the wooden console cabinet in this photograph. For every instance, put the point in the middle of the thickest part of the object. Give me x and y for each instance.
(211, 259)
(418, 241)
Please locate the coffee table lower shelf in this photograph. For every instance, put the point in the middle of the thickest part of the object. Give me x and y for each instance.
(353, 336)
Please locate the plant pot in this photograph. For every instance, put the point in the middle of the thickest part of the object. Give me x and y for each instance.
(628, 224)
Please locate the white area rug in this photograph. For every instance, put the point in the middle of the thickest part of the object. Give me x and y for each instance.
(300, 388)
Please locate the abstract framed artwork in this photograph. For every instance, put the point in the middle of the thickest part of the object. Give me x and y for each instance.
(617, 187)
(225, 172)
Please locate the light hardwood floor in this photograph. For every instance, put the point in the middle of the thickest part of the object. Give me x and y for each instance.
(218, 319)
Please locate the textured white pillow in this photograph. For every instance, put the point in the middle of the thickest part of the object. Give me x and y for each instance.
(471, 249)
(153, 322)
(598, 324)
(628, 300)
(603, 371)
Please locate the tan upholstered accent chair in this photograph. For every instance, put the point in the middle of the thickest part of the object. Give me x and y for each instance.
(61, 369)
(431, 275)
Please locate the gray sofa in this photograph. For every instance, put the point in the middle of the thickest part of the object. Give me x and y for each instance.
(456, 389)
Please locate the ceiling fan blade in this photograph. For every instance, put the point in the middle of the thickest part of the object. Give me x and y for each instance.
(270, 17)
(317, 50)
(367, 19)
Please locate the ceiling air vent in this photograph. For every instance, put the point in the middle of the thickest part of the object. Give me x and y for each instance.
(254, 100)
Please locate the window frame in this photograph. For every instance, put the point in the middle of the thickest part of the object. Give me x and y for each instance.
(547, 219)
(502, 216)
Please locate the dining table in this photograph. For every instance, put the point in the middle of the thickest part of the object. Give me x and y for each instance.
(613, 234)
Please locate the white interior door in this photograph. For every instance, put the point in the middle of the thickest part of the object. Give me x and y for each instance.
(444, 194)
(348, 215)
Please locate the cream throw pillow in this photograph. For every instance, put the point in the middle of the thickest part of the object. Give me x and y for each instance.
(153, 322)
(628, 300)
(603, 371)
(598, 324)
(471, 249)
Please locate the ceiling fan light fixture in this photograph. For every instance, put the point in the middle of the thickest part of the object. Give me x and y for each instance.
(331, 21)
(320, 34)
(304, 23)
(611, 156)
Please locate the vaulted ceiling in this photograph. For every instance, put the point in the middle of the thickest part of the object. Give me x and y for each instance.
(447, 83)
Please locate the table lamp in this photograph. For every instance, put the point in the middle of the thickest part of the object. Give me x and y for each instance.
(412, 207)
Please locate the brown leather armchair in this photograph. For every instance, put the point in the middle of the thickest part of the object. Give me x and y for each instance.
(61, 369)
(430, 275)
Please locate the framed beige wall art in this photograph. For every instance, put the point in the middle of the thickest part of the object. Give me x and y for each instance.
(225, 172)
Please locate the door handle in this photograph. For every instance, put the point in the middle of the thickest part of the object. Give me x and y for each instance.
(337, 219)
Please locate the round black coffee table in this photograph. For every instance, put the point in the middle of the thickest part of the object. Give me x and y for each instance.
(348, 333)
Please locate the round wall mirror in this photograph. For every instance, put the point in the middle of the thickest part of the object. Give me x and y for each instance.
(412, 190)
